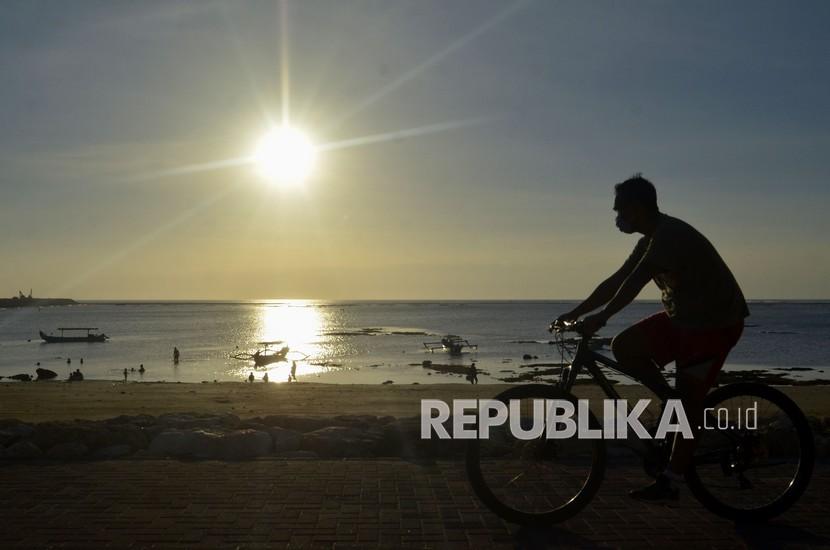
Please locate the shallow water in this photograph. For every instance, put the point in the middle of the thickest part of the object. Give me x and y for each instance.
(331, 343)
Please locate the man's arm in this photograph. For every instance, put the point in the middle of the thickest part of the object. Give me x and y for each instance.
(629, 290)
(626, 293)
(608, 288)
(604, 292)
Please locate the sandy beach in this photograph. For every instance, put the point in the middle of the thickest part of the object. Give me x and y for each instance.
(96, 400)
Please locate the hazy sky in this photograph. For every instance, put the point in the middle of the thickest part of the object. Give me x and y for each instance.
(723, 105)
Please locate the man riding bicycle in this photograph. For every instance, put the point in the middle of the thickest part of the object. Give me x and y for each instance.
(703, 318)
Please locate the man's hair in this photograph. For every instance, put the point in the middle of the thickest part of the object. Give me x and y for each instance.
(638, 189)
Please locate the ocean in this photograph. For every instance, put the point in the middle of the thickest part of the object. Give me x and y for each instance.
(363, 342)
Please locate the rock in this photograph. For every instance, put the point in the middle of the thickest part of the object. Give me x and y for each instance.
(342, 441)
(388, 382)
(45, 374)
(192, 420)
(21, 377)
(185, 443)
(359, 421)
(527, 357)
(296, 423)
(13, 431)
(71, 450)
(403, 438)
(128, 434)
(141, 420)
(22, 450)
(285, 440)
(243, 444)
(298, 454)
(115, 451)
(198, 443)
(822, 444)
(48, 434)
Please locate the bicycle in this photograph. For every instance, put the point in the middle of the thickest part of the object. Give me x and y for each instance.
(738, 472)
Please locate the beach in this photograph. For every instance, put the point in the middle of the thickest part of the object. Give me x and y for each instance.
(99, 400)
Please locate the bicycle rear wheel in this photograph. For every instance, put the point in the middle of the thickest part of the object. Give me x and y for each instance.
(537, 481)
(757, 459)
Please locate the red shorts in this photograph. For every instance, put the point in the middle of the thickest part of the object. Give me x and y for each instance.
(688, 346)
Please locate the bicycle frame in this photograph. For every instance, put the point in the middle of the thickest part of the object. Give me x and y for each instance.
(587, 359)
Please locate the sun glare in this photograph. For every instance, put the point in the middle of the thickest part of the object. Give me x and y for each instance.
(285, 155)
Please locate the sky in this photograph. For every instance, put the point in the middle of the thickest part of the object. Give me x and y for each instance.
(496, 132)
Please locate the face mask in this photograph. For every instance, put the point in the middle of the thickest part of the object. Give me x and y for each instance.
(623, 225)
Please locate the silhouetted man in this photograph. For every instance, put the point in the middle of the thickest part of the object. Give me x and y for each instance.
(703, 317)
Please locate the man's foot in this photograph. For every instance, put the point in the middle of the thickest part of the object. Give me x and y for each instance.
(661, 489)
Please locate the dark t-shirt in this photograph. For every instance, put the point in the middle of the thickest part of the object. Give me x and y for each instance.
(698, 290)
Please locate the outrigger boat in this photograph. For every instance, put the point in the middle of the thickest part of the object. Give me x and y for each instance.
(451, 343)
(265, 355)
(88, 337)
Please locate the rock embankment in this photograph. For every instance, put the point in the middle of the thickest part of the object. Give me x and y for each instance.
(227, 437)
(221, 437)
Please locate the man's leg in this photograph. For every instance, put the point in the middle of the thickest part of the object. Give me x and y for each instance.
(640, 350)
(693, 383)
(634, 350)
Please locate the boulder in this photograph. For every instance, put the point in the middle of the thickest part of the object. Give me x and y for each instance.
(13, 431)
(298, 454)
(183, 421)
(285, 440)
(72, 450)
(141, 420)
(22, 450)
(822, 444)
(403, 438)
(358, 421)
(125, 434)
(198, 443)
(45, 374)
(296, 423)
(342, 441)
(185, 443)
(244, 444)
(48, 434)
(115, 451)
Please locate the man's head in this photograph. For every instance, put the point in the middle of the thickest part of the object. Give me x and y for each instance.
(635, 203)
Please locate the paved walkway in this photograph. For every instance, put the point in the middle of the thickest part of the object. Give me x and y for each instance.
(345, 504)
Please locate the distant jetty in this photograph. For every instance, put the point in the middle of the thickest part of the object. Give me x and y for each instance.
(22, 300)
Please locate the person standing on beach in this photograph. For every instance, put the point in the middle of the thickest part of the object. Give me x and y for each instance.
(125, 374)
(473, 376)
(293, 371)
(251, 378)
(175, 355)
(703, 317)
(265, 378)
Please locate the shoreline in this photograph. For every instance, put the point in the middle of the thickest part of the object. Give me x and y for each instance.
(99, 400)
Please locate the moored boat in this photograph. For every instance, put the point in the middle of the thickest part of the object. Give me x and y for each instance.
(63, 338)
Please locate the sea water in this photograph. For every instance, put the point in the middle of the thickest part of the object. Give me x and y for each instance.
(363, 342)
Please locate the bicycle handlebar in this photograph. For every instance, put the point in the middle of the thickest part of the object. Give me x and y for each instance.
(566, 326)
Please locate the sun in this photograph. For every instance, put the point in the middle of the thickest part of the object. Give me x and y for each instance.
(285, 156)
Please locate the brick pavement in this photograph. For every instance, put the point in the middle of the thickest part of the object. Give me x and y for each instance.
(345, 504)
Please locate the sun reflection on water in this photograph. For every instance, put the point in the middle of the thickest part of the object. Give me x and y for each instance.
(299, 324)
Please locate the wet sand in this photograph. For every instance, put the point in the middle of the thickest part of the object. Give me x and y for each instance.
(96, 400)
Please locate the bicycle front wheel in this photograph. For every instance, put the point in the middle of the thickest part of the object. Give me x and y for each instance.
(535, 481)
(756, 456)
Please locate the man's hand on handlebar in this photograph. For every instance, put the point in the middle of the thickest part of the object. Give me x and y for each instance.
(560, 322)
(587, 326)
(592, 323)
